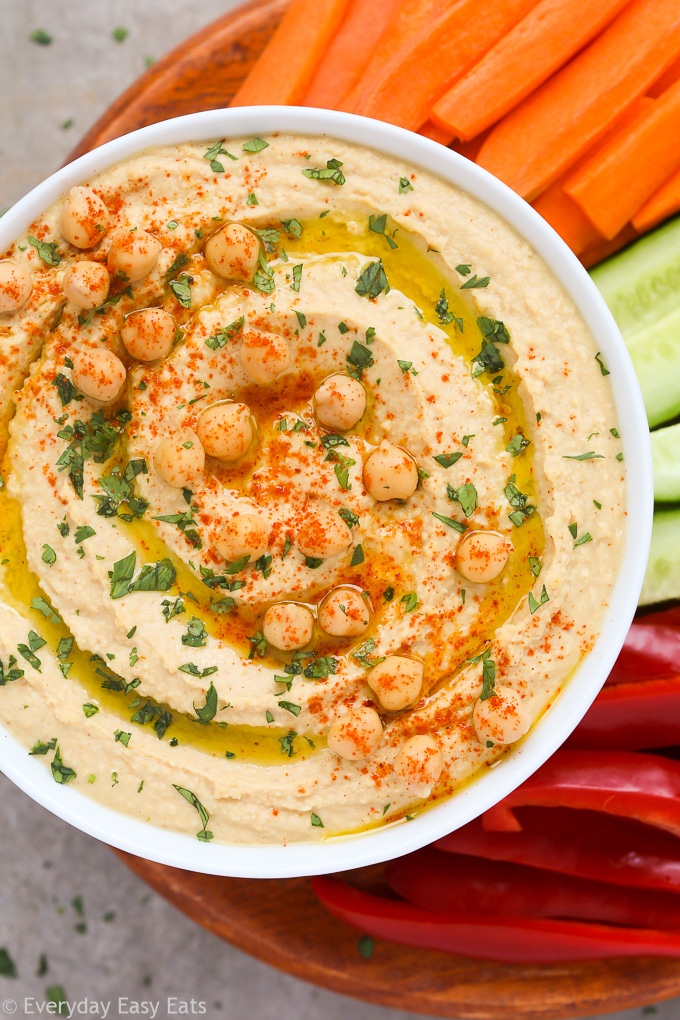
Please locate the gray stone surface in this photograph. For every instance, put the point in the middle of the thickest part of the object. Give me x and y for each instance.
(146, 951)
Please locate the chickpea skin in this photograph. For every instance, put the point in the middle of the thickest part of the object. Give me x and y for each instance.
(225, 430)
(264, 356)
(481, 555)
(500, 718)
(16, 286)
(356, 734)
(324, 534)
(390, 473)
(84, 219)
(133, 255)
(232, 252)
(86, 284)
(98, 374)
(396, 682)
(339, 403)
(179, 459)
(148, 334)
(419, 763)
(244, 535)
(344, 613)
(288, 626)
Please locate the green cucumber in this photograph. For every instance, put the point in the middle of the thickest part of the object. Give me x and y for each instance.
(641, 285)
(666, 460)
(662, 580)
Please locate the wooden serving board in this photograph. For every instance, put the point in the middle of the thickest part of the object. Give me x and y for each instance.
(281, 922)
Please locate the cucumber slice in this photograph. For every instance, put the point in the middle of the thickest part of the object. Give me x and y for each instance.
(662, 580)
(641, 285)
(655, 352)
(666, 460)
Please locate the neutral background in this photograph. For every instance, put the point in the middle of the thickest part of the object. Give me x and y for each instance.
(128, 941)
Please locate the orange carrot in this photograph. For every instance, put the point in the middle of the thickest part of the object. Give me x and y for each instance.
(285, 67)
(668, 78)
(430, 130)
(660, 206)
(430, 62)
(470, 149)
(554, 126)
(409, 20)
(522, 60)
(350, 52)
(601, 250)
(564, 216)
(613, 183)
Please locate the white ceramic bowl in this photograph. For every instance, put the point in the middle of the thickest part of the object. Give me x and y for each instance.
(183, 851)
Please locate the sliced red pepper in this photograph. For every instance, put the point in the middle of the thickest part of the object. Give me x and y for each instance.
(582, 843)
(455, 883)
(651, 650)
(507, 939)
(631, 717)
(641, 786)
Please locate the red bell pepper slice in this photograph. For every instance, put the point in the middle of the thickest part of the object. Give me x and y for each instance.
(573, 842)
(641, 786)
(507, 939)
(458, 884)
(651, 650)
(631, 717)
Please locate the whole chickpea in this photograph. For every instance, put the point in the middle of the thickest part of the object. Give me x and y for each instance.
(16, 286)
(500, 718)
(323, 534)
(133, 255)
(86, 284)
(344, 613)
(98, 374)
(419, 763)
(148, 334)
(396, 682)
(232, 252)
(225, 430)
(481, 555)
(355, 735)
(264, 355)
(288, 626)
(179, 459)
(390, 473)
(339, 402)
(243, 535)
(84, 219)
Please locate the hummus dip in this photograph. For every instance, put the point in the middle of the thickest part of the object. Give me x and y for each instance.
(313, 493)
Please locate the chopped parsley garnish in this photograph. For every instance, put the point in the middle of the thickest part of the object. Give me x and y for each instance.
(43, 607)
(221, 337)
(603, 368)
(349, 517)
(534, 605)
(47, 250)
(205, 713)
(89, 709)
(447, 459)
(301, 318)
(258, 645)
(94, 439)
(316, 821)
(358, 359)
(65, 388)
(288, 706)
(357, 556)
(213, 152)
(287, 743)
(292, 227)
(444, 316)
(410, 600)
(255, 145)
(489, 359)
(297, 277)
(585, 537)
(61, 773)
(181, 288)
(407, 366)
(331, 172)
(475, 281)
(464, 269)
(48, 555)
(449, 521)
(203, 814)
(123, 738)
(372, 280)
(196, 634)
(35, 642)
(466, 495)
(11, 673)
(589, 455)
(535, 565)
(404, 185)
(193, 670)
(377, 225)
(365, 652)
(321, 668)
(41, 38)
(517, 444)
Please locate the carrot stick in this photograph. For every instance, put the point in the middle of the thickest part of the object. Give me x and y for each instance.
(430, 62)
(470, 149)
(285, 67)
(350, 52)
(561, 211)
(660, 206)
(564, 216)
(431, 130)
(601, 250)
(522, 60)
(668, 78)
(611, 186)
(409, 20)
(554, 126)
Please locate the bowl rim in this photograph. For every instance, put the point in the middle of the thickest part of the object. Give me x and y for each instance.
(387, 842)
